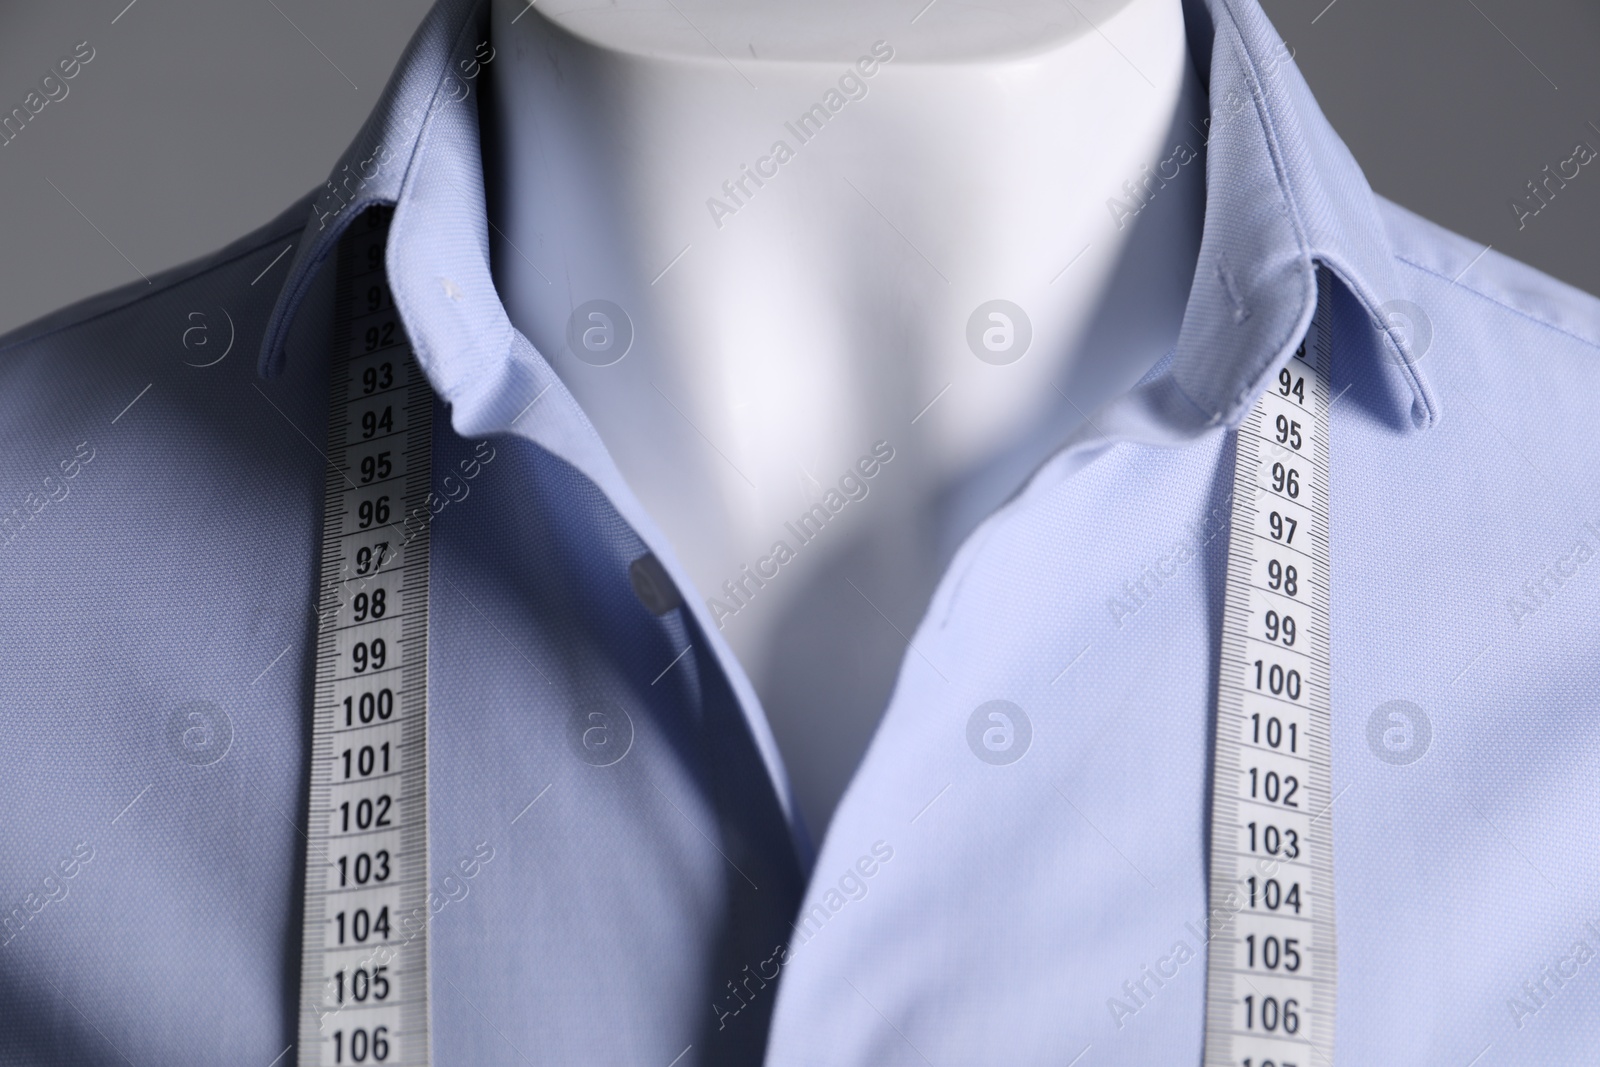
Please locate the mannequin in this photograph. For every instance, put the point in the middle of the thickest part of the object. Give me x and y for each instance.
(836, 278)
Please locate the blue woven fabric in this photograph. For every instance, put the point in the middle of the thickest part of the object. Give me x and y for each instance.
(159, 534)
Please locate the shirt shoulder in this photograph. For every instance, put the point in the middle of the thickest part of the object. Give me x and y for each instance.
(286, 226)
(1499, 284)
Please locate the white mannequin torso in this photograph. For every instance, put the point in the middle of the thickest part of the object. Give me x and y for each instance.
(778, 320)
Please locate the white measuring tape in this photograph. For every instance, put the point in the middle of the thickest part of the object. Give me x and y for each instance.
(364, 966)
(1272, 965)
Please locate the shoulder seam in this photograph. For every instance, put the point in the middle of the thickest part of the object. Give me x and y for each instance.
(1521, 312)
(154, 291)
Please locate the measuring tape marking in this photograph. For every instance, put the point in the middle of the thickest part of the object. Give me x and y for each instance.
(1272, 964)
(364, 966)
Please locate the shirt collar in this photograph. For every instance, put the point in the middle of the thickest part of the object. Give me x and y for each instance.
(1283, 194)
(373, 170)
(420, 152)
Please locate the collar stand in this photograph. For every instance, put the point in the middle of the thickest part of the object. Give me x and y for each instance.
(373, 169)
(1282, 194)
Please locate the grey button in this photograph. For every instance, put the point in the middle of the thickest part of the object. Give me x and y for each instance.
(652, 585)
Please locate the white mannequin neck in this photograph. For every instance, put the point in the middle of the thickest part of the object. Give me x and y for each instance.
(798, 291)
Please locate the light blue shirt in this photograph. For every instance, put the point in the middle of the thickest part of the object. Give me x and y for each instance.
(159, 534)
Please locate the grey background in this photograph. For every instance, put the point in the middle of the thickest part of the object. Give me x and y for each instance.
(198, 120)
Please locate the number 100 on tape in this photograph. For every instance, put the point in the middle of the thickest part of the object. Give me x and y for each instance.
(1272, 965)
(364, 962)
